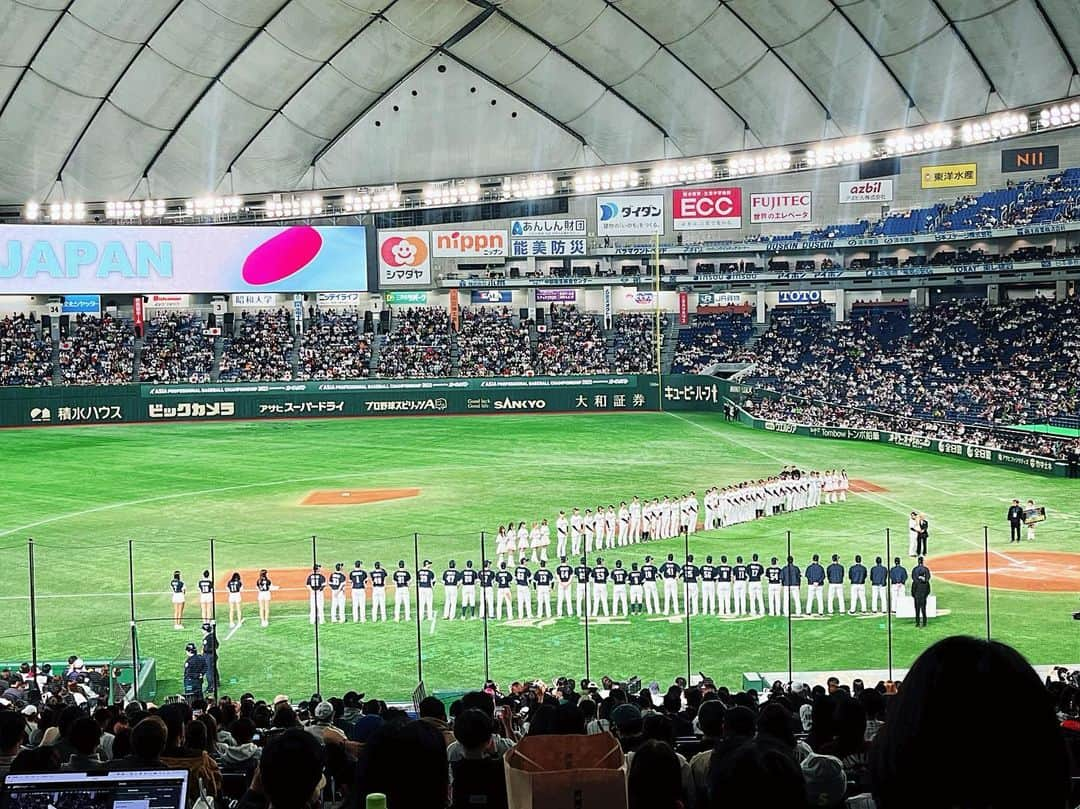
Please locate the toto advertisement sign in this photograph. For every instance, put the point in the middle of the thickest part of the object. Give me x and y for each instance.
(707, 208)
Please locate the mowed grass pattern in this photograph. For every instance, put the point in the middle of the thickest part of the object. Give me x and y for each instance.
(84, 493)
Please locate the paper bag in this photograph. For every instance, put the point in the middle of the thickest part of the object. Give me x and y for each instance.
(566, 772)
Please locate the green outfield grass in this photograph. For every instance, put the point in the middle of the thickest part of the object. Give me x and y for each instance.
(83, 493)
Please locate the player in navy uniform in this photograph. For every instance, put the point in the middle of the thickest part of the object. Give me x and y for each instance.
(542, 578)
(402, 577)
(791, 579)
(690, 574)
(378, 592)
(487, 590)
(522, 578)
(581, 576)
(723, 586)
(879, 581)
(740, 578)
(669, 571)
(451, 578)
(425, 591)
(774, 577)
(857, 576)
(179, 597)
(194, 670)
(637, 592)
(235, 587)
(600, 595)
(468, 590)
(815, 586)
(358, 587)
(206, 596)
(650, 575)
(337, 594)
(316, 583)
(503, 580)
(754, 572)
(835, 575)
(263, 586)
(708, 587)
(897, 579)
(565, 574)
(619, 578)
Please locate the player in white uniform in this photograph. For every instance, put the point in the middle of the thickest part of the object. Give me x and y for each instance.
(692, 512)
(575, 532)
(402, 577)
(564, 574)
(469, 582)
(599, 588)
(624, 524)
(451, 581)
(610, 518)
(358, 584)
(587, 530)
(562, 529)
(542, 578)
(913, 533)
(316, 583)
(619, 578)
(635, 520)
(378, 593)
(337, 595)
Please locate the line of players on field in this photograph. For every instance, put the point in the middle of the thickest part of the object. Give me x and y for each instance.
(669, 517)
(721, 589)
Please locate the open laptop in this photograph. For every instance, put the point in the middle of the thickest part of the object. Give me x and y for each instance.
(137, 789)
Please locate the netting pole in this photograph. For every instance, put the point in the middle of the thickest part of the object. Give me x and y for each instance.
(416, 601)
(787, 612)
(587, 602)
(314, 561)
(888, 595)
(686, 594)
(33, 607)
(986, 567)
(134, 637)
(659, 341)
(213, 621)
(484, 611)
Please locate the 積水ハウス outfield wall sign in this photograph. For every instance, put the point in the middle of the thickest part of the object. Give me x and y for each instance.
(68, 259)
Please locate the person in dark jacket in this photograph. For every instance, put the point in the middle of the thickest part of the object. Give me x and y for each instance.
(920, 590)
(1015, 516)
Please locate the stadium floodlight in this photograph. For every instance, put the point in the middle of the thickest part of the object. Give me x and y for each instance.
(1060, 115)
(366, 200)
(616, 180)
(213, 206)
(686, 171)
(921, 140)
(530, 187)
(763, 163)
(31, 211)
(1000, 125)
(451, 192)
(829, 154)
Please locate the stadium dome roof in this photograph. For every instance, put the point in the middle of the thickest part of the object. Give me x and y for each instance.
(172, 98)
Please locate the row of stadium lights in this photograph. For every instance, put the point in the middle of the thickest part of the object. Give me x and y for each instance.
(457, 192)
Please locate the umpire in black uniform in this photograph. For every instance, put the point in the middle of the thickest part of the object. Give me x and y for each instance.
(1016, 519)
(194, 670)
(920, 591)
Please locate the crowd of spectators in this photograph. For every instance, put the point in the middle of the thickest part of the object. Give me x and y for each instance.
(570, 343)
(418, 345)
(926, 741)
(259, 349)
(635, 342)
(176, 349)
(25, 352)
(492, 344)
(958, 360)
(98, 351)
(334, 346)
(711, 339)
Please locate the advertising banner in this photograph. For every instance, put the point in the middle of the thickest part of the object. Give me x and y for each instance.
(1034, 158)
(81, 304)
(719, 298)
(800, 296)
(332, 299)
(54, 259)
(866, 191)
(175, 301)
(641, 215)
(952, 175)
(638, 299)
(398, 298)
(469, 243)
(547, 228)
(707, 208)
(607, 307)
(404, 258)
(521, 247)
(556, 295)
(254, 301)
(792, 206)
(684, 308)
(491, 296)
(137, 314)
(298, 311)
(455, 309)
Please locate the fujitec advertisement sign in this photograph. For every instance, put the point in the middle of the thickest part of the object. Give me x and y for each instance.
(779, 208)
(707, 208)
(641, 215)
(405, 258)
(866, 191)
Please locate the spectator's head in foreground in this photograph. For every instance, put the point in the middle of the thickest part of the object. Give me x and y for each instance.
(291, 770)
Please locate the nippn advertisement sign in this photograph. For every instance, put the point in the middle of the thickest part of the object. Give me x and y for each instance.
(791, 206)
(707, 208)
(469, 243)
(404, 258)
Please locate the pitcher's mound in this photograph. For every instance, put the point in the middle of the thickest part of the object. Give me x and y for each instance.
(355, 497)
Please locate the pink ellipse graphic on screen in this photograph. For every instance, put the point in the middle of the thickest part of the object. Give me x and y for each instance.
(281, 256)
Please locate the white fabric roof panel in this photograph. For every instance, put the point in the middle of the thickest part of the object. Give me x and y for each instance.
(267, 86)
